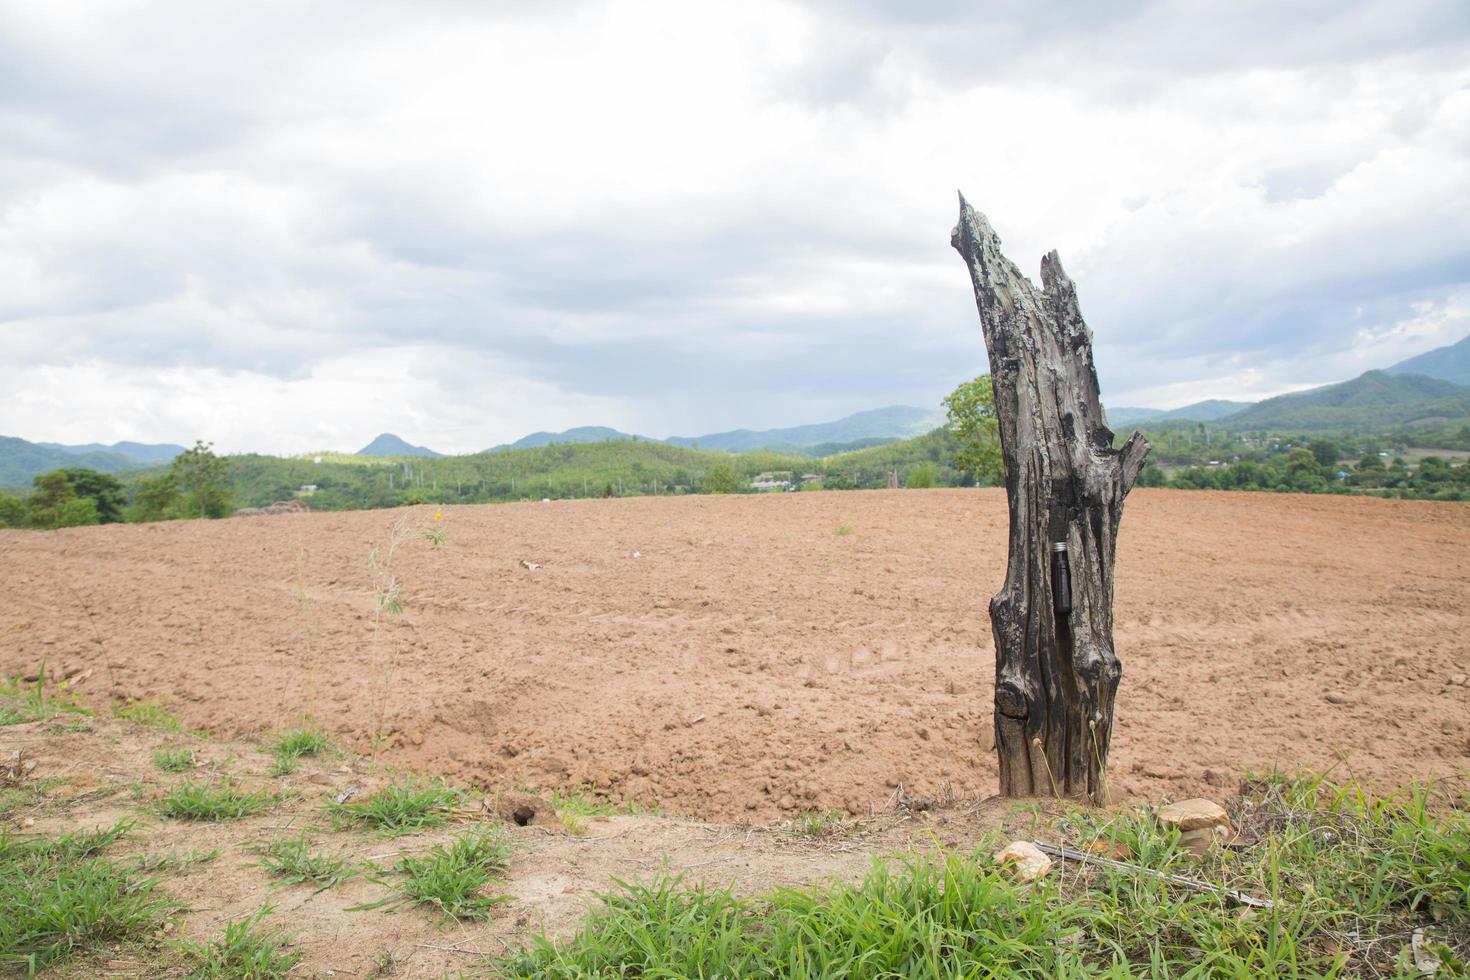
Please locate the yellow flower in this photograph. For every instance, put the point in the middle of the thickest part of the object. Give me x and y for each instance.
(438, 516)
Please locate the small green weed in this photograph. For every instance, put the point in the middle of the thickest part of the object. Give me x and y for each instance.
(291, 745)
(818, 823)
(843, 530)
(191, 800)
(452, 879)
(292, 860)
(242, 952)
(23, 701)
(152, 714)
(403, 808)
(60, 896)
(174, 862)
(174, 760)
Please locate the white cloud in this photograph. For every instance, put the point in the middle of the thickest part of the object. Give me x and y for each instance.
(677, 217)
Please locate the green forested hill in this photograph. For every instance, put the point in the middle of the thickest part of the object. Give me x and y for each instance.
(1373, 401)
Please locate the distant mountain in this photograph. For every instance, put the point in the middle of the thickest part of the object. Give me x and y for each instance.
(388, 444)
(1205, 411)
(582, 433)
(142, 453)
(1129, 418)
(894, 422)
(1371, 400)
(1449, 363)
(22, 461)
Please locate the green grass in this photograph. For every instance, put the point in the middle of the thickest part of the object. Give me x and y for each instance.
(292, 860)
(842, 531)
(1351, 876)
(818, 823)
(21, 701)
(174, 760)
(60, 896)
(190, 800)
(174, 861)
(243, 951)
(452, 880)
(152, 714)
(403, 808)
(289, 746)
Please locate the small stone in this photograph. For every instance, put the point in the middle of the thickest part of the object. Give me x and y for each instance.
(1460, 679)
(1193, 814)
(1338, 699)
(320, 778)
(1024, 860)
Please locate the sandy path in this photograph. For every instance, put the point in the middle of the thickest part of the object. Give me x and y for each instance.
(752, 661)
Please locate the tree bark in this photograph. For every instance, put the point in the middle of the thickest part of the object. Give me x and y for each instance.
(1056, 673)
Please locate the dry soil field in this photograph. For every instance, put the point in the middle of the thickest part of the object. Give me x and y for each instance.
(743, 658)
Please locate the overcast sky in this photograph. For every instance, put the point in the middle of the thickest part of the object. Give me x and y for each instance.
(291, 226)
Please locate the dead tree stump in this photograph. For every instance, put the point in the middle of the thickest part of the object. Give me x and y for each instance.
(1056, 672)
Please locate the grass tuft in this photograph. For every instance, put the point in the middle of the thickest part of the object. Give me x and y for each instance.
(402, 808)
(174, 760)
(22, 701)
(59, 896)
(843, 530)
(291, 745)
(243, 951)
(190, 800)
(292, 860)
(151, 714)
(452, 879)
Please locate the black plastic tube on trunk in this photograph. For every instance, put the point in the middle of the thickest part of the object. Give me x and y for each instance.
(1061, 579)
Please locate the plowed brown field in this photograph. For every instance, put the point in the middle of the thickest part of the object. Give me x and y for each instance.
(738, 657)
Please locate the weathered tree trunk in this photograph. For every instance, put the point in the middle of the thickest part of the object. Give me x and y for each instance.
(1055, 671)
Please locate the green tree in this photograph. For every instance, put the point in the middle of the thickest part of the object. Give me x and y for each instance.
(12, 511)
(971, 410)
(76, 512)
(921, 477)
(204, 480)
(721, 478)
(105, 490)
(155, 498)
(52, 492)
(1303, 472)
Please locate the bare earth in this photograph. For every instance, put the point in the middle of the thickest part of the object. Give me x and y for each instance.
(738, 659)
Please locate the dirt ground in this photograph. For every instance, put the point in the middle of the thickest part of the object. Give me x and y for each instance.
(744, 658)
(90, 773)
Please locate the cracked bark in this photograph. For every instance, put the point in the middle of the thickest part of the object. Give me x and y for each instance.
(1056, 674)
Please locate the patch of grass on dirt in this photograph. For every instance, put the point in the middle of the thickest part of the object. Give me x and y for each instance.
(151, 714)
(289, 746)
(61, 895)
(174, 760)
(22, 701)
(818, 823)
(190, 800)
(292, 860)
(174, 861)
(403, 808)
(452, 880)
(1350, 876)
(842, 530)
(243, 951)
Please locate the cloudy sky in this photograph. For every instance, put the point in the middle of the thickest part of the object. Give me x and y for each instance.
(289, 226)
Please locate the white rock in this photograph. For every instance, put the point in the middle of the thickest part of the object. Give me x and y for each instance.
(1024, 859)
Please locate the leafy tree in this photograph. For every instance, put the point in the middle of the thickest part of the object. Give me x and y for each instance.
(721, 478)
(12, 511)
(155, 498)
(52, 491)
(921, 477)
(971, 410)
(77, 512)
(1325, 451)
(204, 479)
(104, 489)
(1303, 472)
